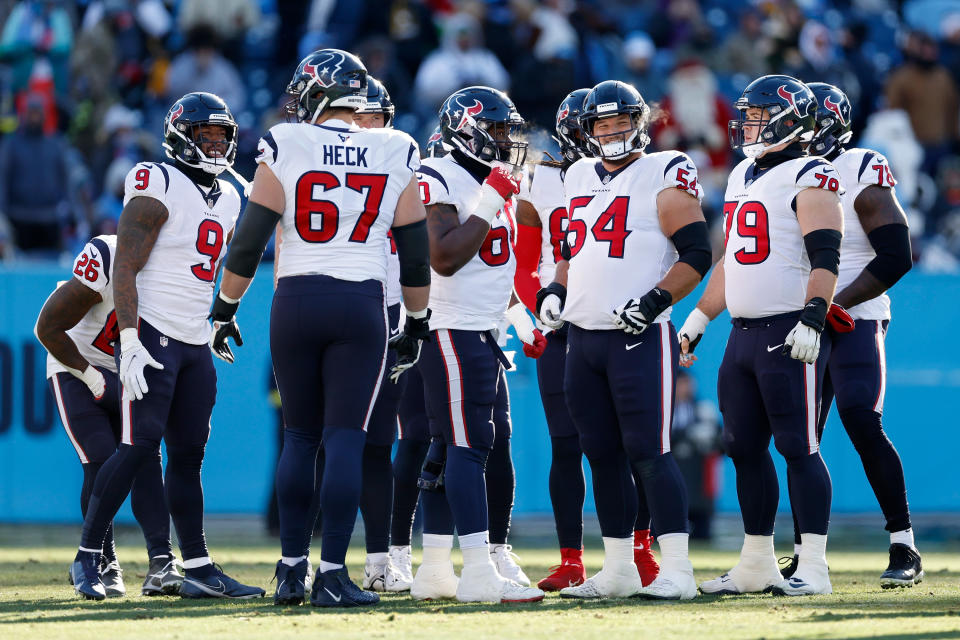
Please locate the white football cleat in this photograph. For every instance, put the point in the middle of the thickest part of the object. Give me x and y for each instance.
(435, 581)
(399, 576)
(308, 579)
(807, 581)
(482, 583)
(619, 582)
(505, 560)
(671, 585)
(740, 580)
(374, 574)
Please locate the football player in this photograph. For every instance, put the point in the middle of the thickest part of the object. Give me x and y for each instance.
(635, 231)
(176, 223)
(541, 224)
(783, 225)
(336, 189)
(78, 327)
(470, 198)
(380, 573)
(874, 254)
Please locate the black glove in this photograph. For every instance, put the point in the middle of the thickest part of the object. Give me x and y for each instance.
(634, 316)
(407, 344)
(224, 326)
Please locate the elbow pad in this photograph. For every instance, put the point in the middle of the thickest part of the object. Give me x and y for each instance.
(892, 244)
(413, 249)
(253, 233)
(823, 249)
(693, 245)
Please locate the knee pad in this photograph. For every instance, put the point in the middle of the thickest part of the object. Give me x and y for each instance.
(792, 445)
(742, 447)
(431, 476)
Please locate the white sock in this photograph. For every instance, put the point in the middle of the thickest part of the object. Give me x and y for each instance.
(617, 551)
(292, 562)
(903, 537)
(797, 548)
(377, 558)
(473, 540)
(814, 549)
(674, 551)
(757, 546)
(405, 547)
(437, 540)
(329, 566)
(196, 563)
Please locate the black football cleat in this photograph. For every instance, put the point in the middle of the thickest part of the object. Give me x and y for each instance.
(111, 575)
(789, 566)
(291, 583)
(85, 575)
(905, 568)
(335, 589)
(218, 585)
(163, 577)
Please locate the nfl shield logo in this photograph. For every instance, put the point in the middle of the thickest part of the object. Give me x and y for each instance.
(163, 341)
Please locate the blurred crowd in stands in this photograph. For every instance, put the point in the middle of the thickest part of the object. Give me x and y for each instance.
(85, 84)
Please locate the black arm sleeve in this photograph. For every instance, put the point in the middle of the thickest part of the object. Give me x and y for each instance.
(693, 245)
(892, 244)
(253, 234)
(413, 249)
(823, 249)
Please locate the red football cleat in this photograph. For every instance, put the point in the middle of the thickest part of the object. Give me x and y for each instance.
(569, 573)
(643, 557)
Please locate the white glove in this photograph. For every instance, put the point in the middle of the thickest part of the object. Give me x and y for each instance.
(550, 311)
(803, 343)
(94, 381)
(522, 324)
(134, 358)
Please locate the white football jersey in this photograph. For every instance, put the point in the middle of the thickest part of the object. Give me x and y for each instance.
(617, 248)
(546, 196)
(96, 332)
(394, 294)
(860, 168)
(476, 296)
(765, 262)
(341, 184)
(175, 286)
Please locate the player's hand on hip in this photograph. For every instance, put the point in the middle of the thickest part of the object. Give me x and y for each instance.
(840, 319)
(94, 380)
(635, 315)
(533, 340)
(690, 334)
(134, 358)
(407, 344)
(803, 341)
(550, 301)
(224, 326)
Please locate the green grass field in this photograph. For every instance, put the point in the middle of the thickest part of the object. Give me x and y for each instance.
(36, 603)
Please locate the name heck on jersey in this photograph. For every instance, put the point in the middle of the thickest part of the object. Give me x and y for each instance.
(766, 268)
(617, 247)
(338, 155)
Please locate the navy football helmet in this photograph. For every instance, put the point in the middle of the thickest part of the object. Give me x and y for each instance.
(573, 145)
(183, 140)
(378, 101)
(324, 79)
(484, 124)
(790, 114)
(833, 119)
(435, 147)
(612, 98)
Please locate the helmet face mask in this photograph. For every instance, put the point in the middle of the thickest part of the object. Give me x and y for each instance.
(606, 100)
(787, 109)
(190, 126)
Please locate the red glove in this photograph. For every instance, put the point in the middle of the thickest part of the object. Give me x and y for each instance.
(503, 182)
(839, 320)
(539, 345)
